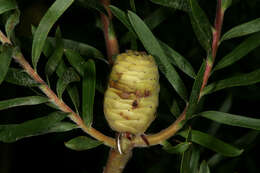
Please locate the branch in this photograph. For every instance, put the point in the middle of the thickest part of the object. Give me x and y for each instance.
(109, 34)
(215, 43)
(58, 102)
(117, 161)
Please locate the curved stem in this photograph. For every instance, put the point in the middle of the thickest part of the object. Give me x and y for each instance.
(163, 135)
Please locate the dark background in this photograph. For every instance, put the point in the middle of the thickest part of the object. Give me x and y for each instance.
(47, 153)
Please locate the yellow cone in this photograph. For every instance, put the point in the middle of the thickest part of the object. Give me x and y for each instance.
(131, 98)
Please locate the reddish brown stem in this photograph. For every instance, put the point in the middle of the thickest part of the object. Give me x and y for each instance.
(217, 31)
(215, 43)
(109, 34)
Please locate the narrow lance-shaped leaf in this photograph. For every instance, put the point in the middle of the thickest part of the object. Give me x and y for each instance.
(201, 25)
(47, 48)
(121, 15)
(5, 60)
(232, 120)
(195, 92)
(194, 160)
(175, 109)
(176, 4)
(152, 21)
(46, 23)
(11, 22)
(212, 143)
(156, 17)
(178, 60)
(81, 143)
(38, 126)
(179, 148)
(242, 30)
(88, 91)
(239, 52)
(54, 60)
(19, 77)
(81, 48)
(185, 161)
(62, 127)
(7, 5)
(244, 141)
(132, 5)
(93, 4)
(153, 47)
(72, 89)
(204, 168)
(68, 77)
(225, 107)
(238, 80)
(22, 101)
(75, 60)
(186, 156)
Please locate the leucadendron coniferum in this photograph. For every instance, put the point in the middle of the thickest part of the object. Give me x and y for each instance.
(131, 98)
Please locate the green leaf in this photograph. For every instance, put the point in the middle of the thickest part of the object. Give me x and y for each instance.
(88, 91)
(74, 96)
(238, 80)
(152, 21)
(68, 77)
(242, 30)
(195, 92)
(5, 61)
(11, 23)
(153, 47)
(46, 23)
(22, 101)
(225, 107)
(7, 5)
(194, 160)
(175, 109)
(178, 60)
(56, 57)
(122, 17)
(81, 48)
(20, 77)
(212, 143)
(204, 168)
(232, 120)
(176, 4)
(38, 126)
(62, 127)
(75, 60)
(225, 4)
(244, 141)
(72, 89)
(82, 143)
(239, 52)
(94, 4)
(201, 25)
(180, 148)
(156, 17)
(185, 161)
